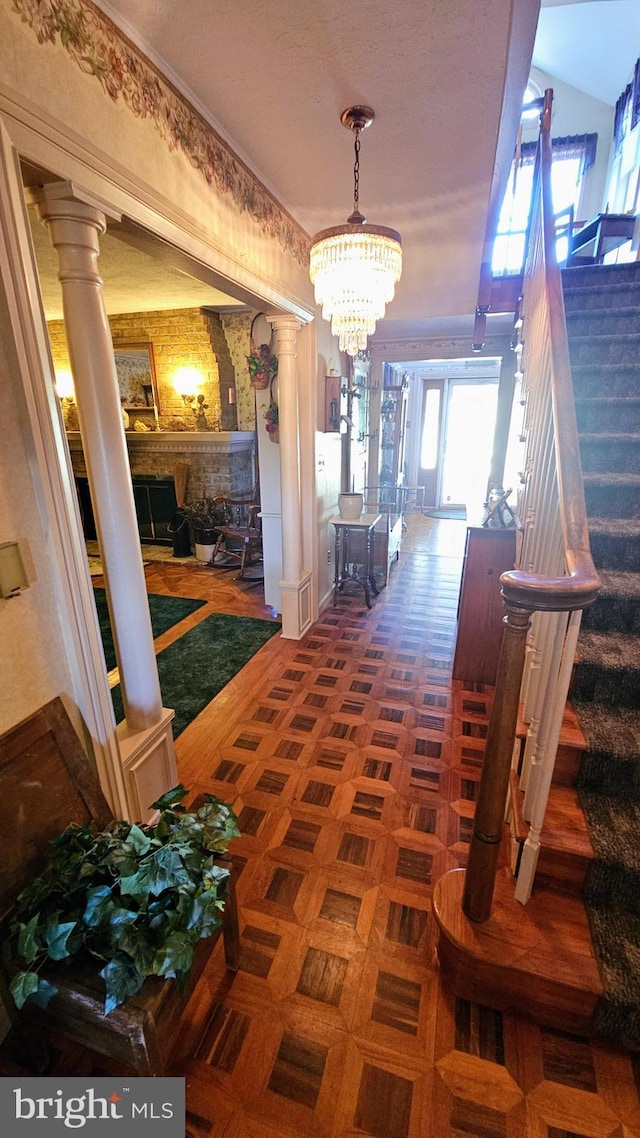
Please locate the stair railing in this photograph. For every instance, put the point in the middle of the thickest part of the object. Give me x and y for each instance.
(555, 576)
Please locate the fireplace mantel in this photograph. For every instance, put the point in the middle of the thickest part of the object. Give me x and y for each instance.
(221, 461)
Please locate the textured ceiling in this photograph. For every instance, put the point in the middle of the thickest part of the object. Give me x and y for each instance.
(134, 281)
(273, 76)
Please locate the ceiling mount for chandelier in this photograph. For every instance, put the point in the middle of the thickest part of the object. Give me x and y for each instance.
(355, 267)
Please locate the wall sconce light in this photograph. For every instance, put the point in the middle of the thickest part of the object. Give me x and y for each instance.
(64, 387)
(13, 576)
(233, 398)
(187, 381)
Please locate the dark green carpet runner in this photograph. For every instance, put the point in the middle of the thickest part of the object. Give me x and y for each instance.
(165, 612)
(196, 667)
(603, 320)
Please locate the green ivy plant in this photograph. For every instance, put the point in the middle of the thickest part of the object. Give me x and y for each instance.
(135, 897)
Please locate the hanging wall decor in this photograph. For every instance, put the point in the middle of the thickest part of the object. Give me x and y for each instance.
(271, 416)
(263, 364)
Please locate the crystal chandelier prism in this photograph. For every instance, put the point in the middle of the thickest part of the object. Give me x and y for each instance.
(355, 267)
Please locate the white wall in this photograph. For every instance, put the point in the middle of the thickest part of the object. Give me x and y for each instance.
(327, 461)
(577, 113)
(32, 648)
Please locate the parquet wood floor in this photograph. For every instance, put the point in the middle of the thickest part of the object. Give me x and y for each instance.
(352, 761)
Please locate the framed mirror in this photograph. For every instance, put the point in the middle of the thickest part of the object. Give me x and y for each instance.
(136, 373)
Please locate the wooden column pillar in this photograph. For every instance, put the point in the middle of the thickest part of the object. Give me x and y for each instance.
(494, 782)
(145, 741)
(295, 586)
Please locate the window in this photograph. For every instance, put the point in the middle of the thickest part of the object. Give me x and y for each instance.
(572, 157)
(623, 190)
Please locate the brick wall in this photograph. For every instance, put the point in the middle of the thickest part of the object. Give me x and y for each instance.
(179, 338)
(226, 372)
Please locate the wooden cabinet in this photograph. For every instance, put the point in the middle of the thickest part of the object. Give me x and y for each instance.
(488, 554)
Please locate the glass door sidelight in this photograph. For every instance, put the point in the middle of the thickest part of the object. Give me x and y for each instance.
(431, 439)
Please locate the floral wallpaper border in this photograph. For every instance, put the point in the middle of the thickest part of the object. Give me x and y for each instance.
(100, 49)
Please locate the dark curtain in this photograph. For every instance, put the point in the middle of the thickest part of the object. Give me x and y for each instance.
(619, 117)
(571, 146)
(635, 96)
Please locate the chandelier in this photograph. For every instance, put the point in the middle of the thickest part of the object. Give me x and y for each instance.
(355, 267)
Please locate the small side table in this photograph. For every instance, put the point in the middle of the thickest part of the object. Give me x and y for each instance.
(606, 231)
(365, 525)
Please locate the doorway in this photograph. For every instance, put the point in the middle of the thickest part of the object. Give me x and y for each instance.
(456, 440)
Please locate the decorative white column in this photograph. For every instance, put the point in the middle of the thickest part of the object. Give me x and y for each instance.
(146, 744)
(295, 586)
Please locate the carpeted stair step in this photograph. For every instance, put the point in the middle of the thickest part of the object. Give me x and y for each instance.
(600, 349)
(612, 762)
(615, 934)
(614, 826)
(592, 297)
(591, 379)
(603, 321)
(610, 453)
(615, 543)
(612, 495)
(612, 898)
(617, 606)
(604, 414)
(601, 276)
(607, 670)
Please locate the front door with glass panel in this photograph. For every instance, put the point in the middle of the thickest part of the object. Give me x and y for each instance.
(458, 423)
(468, 443)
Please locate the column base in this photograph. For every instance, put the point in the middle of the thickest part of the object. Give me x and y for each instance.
(296, 607)
(148, 763)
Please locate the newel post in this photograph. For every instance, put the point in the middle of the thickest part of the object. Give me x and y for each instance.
(494, 782)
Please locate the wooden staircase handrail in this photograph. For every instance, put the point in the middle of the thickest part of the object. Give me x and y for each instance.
(580, 587)
(553, 594)
(560, 535)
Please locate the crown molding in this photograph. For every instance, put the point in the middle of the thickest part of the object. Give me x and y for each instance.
(101, 49)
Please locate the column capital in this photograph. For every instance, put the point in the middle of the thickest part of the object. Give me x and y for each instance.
(75, 212)
(75, 229)
(284, 321)
(286, 329)
(55, 199)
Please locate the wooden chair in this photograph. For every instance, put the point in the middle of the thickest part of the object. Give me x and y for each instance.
(47, 783)
(239, 542)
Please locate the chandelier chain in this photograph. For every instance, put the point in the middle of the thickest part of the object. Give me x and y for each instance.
(356, 173)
